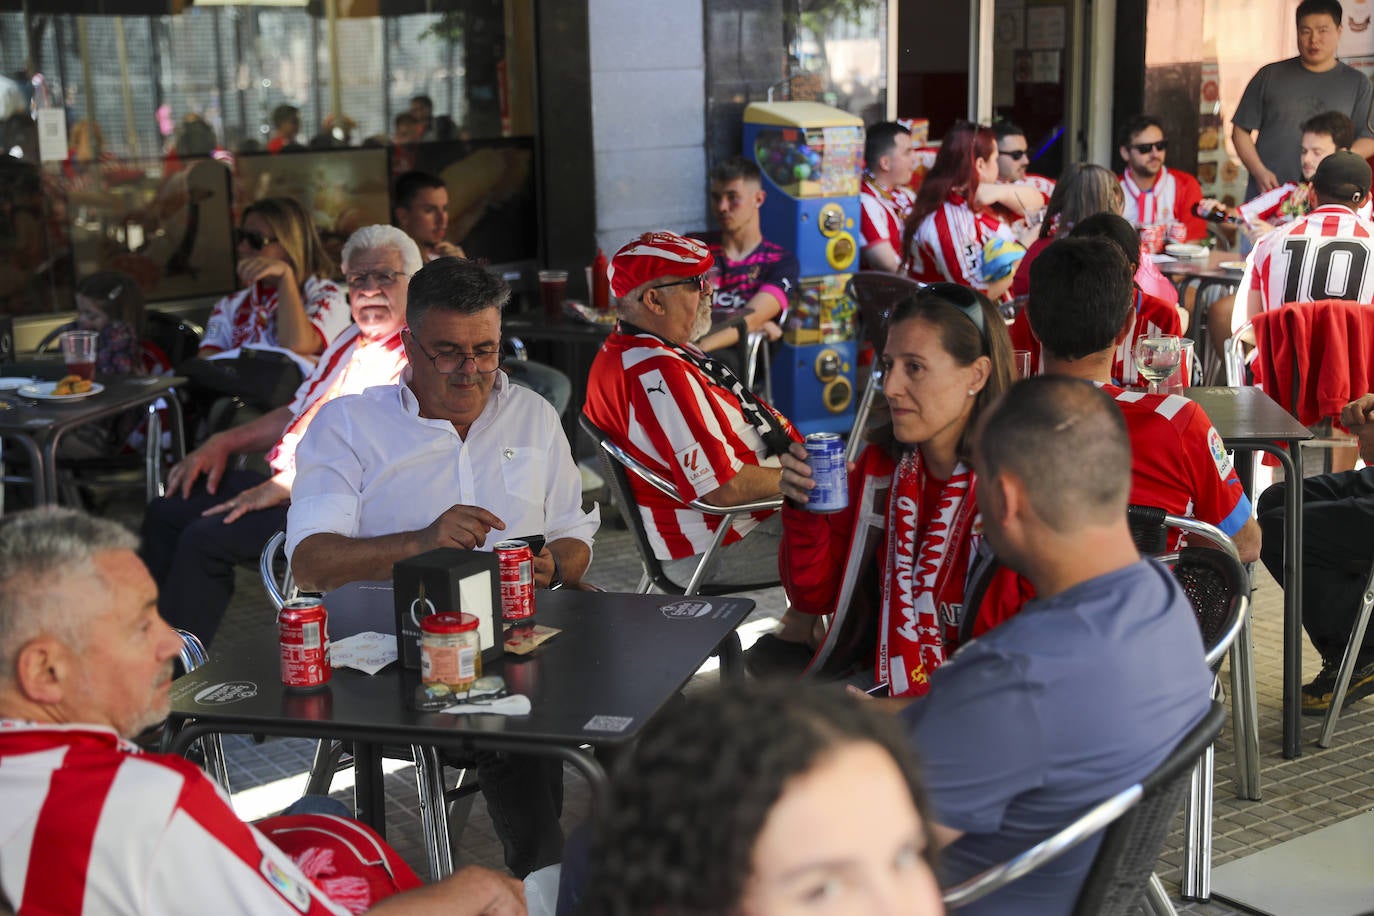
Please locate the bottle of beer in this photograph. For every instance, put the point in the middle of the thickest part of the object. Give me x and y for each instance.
(1218, 214)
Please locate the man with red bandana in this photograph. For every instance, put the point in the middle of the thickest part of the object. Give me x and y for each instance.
(688, 418)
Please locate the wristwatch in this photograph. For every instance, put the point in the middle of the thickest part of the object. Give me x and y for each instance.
(557, 580)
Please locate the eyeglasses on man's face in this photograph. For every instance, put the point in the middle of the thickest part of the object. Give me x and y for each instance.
(702, 282)
(373, 279)
(1145, 149)
(1015, 155)
(252, 238)
(485, 360)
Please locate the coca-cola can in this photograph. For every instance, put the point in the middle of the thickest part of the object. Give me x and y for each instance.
(303, 631)
(1177, 231)
(517, 580)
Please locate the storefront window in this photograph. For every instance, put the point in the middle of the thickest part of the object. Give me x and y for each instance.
(162, 111)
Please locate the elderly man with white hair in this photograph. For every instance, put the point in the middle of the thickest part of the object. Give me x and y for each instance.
(213, 518)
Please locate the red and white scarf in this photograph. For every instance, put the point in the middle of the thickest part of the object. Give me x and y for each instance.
(923, 590)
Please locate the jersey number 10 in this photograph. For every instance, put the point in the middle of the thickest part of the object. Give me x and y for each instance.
(1344, 259)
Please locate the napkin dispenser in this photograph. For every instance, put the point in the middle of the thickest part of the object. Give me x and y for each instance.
(446, 579)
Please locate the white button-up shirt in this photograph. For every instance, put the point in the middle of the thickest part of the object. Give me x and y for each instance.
(370, 465)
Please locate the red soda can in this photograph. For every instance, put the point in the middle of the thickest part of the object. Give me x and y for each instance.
(517, 580)
(303, 630)
(1178, 232)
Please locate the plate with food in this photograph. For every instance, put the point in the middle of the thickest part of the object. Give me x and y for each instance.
(70, 388)
(1233, 266)
(1185, 251)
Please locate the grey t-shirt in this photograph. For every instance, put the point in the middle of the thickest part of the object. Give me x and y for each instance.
(1284, 94)
(1070, 701)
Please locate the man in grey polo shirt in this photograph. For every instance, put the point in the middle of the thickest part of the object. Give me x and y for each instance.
(1086, 690)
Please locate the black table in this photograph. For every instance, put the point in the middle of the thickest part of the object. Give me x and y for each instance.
(38, 425)
(1248, 420)
(569, 345)
(618, 661)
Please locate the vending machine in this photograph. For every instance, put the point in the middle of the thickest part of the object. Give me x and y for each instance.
(811, 156)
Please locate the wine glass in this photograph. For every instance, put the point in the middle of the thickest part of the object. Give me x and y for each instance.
(1156, 358)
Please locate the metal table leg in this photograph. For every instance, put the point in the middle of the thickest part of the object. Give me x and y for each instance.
(369, 798)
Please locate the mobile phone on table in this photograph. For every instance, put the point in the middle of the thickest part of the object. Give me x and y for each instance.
(536, 542)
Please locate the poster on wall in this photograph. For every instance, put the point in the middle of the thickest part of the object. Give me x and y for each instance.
(1357, 38)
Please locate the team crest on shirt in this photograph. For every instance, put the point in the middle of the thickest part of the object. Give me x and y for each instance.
(1219, 456)
(293, 890)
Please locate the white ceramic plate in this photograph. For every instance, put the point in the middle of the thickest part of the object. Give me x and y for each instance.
(1237, 266)
(42, 391)
(1180, 250)
(13, 382)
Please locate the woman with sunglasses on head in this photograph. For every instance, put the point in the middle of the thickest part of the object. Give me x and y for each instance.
(947, 357)
(708, 807)
(952, 224)
(288, 299)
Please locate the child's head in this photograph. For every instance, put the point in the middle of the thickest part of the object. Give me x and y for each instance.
(109, 296)
(1322, 135)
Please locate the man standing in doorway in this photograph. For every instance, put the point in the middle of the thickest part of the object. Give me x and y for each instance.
(1266, 128)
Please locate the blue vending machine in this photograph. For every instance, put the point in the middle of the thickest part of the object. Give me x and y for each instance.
(811, 156)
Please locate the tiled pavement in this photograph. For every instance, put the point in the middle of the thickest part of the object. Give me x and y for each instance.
(1318, 789)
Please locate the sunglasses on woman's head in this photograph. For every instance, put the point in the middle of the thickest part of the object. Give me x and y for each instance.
(254, 239)
(962, 298)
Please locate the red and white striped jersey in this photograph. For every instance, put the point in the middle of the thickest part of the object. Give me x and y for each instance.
(671, 416)
(1282, 205)
(948, 246)
(93, 826)
(1040, 182)
(1170, 199)
(1178, 461)
(884, 213)
(350, 365)
(1327, 254)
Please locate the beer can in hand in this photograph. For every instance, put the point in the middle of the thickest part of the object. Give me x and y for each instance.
(517, 580)
(825, 455)
(303, 631)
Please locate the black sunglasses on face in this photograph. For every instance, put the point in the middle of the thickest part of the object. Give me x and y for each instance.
(255, 240)
(1015, 155)
(1145, 148)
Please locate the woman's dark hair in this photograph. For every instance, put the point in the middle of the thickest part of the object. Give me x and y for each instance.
(117, 295)
(952, 171)
(947, 307)
(689, 802)
(1083, 189)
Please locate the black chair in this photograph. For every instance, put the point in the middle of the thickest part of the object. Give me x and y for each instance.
(1136, 820)
(875, 292)
(1218, 588)
(618, 465)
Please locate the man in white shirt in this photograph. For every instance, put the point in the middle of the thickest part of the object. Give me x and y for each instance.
(94, 825)
(889, 160)
(454, 456)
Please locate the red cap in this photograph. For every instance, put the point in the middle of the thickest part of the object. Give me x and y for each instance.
(654, 255)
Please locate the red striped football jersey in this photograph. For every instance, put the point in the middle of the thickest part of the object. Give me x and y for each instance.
(948, 246)
(1327, 254)
(1170, 199)
(671, 416)
(93, 826)
(884, 213)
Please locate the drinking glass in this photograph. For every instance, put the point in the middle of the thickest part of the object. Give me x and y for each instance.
(1156, 358)
(78, 352)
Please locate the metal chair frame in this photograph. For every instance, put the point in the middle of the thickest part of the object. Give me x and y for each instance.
(1236, 639)
(191, 657)
(619, 464)
(1121, 832)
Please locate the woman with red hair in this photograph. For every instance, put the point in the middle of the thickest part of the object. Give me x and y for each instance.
(951, 223)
